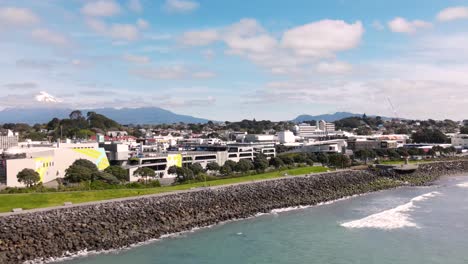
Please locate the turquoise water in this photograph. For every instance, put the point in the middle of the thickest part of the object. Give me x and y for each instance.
(408, 225)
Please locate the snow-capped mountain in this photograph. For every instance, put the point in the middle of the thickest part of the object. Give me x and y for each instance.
(45, 97)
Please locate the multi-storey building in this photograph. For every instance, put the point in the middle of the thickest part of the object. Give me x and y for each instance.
(50, 161)
(8, 139)
(460, 141)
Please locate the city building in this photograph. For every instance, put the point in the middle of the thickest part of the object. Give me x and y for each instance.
(50, 161)
(8, 139)
(285, 137)
(325, 126)
(356, 144)
(327, 146)
(259, 138)
(323, 130)
(460, 141)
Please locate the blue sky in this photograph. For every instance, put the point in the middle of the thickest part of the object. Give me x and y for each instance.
(229, 60)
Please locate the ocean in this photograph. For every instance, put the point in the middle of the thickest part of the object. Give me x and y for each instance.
(409, 225)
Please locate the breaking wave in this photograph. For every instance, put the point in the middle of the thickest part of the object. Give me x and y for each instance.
(394, 218)
(463, 185)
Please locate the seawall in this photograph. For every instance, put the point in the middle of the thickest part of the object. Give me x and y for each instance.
(116, 224)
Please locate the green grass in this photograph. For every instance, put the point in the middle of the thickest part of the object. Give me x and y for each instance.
(41, 200)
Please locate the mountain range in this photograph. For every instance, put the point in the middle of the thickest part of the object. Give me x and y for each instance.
(144, 115)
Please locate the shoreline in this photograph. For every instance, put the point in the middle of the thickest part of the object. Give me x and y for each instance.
(116, 225)
(86, 253)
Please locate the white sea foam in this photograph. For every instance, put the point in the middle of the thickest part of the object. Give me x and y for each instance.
(394, 218)
(463, 185)
(293, 208)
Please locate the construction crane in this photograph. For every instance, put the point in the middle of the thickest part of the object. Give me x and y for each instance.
(393, 108)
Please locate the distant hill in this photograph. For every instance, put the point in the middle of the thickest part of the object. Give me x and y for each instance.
(144, 115)
(330, 117)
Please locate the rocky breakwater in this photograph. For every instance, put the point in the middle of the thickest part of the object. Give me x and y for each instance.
(117, 224)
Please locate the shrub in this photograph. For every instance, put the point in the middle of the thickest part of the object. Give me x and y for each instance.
(106, 177)
(119, 172)
(153, 184)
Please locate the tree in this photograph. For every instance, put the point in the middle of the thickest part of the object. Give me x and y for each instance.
(244, 165)
(365, 154)
(287, 159)
(260, 162)
(322, 158)
(173, 169)
(339, 160)
(53, 124)
(213, 166)
(28, 177)
(84, 133)
(276, 162)
(78, 173)
(300, 158)
(196, 168)
(225, 170)
(106, 177)
(231, 164)
(85, 163)
(120, 173)
(144, 172)
(429, 136)
(464, 130)
(75, 115)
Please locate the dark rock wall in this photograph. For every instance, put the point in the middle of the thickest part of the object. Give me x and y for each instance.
(113, 225)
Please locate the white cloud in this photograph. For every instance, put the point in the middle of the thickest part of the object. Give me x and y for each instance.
(171, 73)
(101, 8)
(377, 25)
(453, 13)
(21, 85)
(124, 31)
(208, 54)
(203, 75)
(199, 38)
(127, 32)
(13, 16)
(323, 38)
(401, 25)
(248, 35)
(137, 59)
(299, 47)
(142, 24)
(49, 37)
(180, 6)
(336, 67)
(135, 6)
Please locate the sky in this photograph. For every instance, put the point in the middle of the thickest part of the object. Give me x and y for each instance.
(233, 59)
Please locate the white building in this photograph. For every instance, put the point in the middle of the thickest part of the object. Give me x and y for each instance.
(259, 138)
(286, 137)
(308, 131)
(8, 139)
(460, 141)
(50, 161)
(325, 126)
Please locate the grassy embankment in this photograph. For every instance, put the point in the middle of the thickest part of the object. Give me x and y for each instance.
(41, 200)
